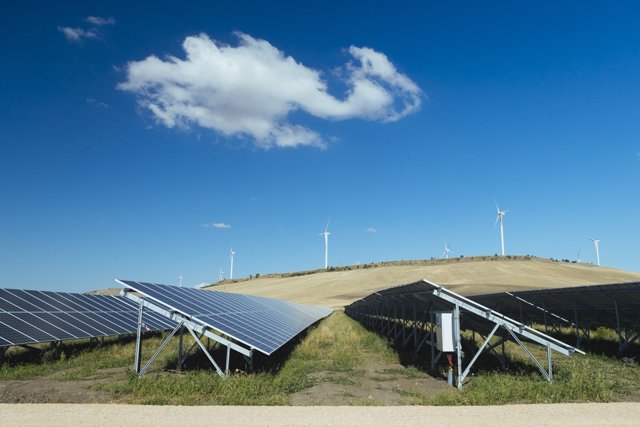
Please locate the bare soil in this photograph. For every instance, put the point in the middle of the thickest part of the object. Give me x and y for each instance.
(379, 384)
(52, 389)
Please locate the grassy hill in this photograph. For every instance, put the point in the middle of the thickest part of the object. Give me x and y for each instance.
(339, 286)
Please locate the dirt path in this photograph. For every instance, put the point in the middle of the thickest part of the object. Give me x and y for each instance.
(586, 414)
(378, 384)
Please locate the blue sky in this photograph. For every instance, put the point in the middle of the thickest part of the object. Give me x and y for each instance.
(114, 165)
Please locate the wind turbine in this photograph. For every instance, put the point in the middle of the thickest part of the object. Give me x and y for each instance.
(326, 245)
(499, 218)
(595, 244)
(447, 249)
(231, 254)
(221, 275)
(180, 280)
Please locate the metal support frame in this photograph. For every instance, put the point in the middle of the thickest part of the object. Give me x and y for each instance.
(475, 357)
(508, 323)
(456, 331)
(138, 351)
(144, 369)
(183, 359)
(206, 353)
(249, 360)
(375, 315)
(625, 337)
(194, 329)
(626, 340)
(544, 373)
(180, 345)
(54, 346)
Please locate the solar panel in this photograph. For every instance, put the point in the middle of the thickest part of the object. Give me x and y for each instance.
(264, 324)
(28, 317)
(409, 311)
(614, 306)
(602, 305)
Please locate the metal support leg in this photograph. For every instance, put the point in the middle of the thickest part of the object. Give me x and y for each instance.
(3, 351)
(226, 368)
(206, 353)
(575, 313)
(544, 308)
(55, 348)
(456, 328)
(621, 339)
(431, 342)
(415, 328)
(531, 356)
(549, 361)
(138, 355)
(628, 341)
(183, 359)
(180, 349)
(162, 346)
(484, 344)
(249, 360)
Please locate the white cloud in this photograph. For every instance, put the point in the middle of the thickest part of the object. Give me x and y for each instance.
(250, 89)
(371, 230)
(219, 225)
(97, 103)
(99, 21)
(77, 34)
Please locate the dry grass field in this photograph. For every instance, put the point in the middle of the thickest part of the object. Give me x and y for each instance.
(467, 276)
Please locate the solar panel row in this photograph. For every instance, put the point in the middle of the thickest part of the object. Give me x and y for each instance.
(261, 323)
(615, 306)
(28, 317)
(411, 311)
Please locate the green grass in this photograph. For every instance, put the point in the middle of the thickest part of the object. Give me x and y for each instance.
(337, 345)
(77, 359)
(581, 378)
(336, 351)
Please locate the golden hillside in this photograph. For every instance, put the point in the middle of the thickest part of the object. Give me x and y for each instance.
(467, 276)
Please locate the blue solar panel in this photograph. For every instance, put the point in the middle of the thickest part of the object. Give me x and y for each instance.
(28, 317)
(265, 324)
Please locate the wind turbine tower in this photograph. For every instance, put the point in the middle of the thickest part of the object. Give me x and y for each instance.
(595, 244)
(499, 218)
(180, 280)
(221, 276)
(231, 254)
(326, 245)
(447, 249)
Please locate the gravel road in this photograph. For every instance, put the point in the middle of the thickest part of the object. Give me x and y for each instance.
(585, 414)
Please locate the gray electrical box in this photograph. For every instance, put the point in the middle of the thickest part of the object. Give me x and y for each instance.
(444, 331)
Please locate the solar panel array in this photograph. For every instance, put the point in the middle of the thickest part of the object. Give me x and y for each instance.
(615, 306)
(28, 317)
(404, 302)
(265, 324)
